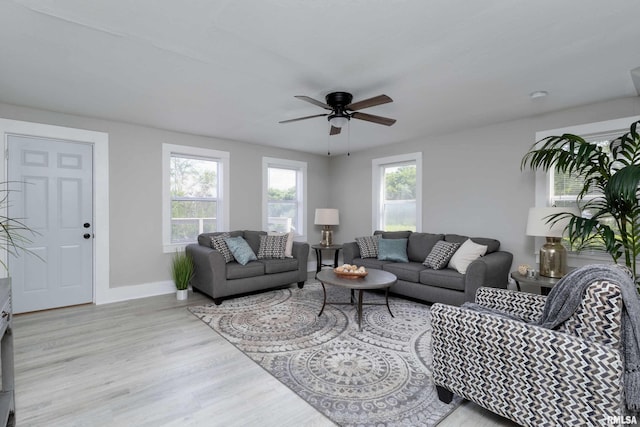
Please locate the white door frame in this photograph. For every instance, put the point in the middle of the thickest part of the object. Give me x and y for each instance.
(100, 142)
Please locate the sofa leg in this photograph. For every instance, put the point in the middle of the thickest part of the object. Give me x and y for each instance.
(300, 284)
(444, 395)
(217, 301)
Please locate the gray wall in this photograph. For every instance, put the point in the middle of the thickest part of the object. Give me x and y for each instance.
(135, 188)
(472, 183)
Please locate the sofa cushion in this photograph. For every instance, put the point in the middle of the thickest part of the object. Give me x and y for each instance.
(272, 247)
(407, 271)
(370, 263)
(421, 244)
(392, 250)
(253, 239)
(492, 244)
(240, 249)
(465, 255)
(204, 239)
(272, 266)
(441, 254)
(218, 243)
(239, 271)
(445, 278)
(392, 234)
(368, 246)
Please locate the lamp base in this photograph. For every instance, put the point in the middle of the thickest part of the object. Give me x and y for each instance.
(553, 258)
(327, 236)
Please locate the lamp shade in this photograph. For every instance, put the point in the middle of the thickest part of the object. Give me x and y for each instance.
(327, 217)
(539, 222)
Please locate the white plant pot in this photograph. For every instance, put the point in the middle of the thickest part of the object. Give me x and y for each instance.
(182, 294)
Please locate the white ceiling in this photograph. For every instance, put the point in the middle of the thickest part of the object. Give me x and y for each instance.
(230, 68)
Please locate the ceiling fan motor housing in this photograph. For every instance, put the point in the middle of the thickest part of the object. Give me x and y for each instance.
(338, 101)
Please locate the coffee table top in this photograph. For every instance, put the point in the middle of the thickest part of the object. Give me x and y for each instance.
(375, 279)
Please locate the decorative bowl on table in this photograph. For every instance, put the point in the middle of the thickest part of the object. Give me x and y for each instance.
(348, 271)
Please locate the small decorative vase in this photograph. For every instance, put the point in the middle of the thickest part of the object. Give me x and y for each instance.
(182, 294)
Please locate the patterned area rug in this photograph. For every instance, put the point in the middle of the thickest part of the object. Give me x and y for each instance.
(378, 376)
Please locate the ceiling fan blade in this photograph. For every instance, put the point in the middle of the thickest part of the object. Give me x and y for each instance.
(375, 119)
(371, 102)
(334, 130)
(314, 102)
(303, 118)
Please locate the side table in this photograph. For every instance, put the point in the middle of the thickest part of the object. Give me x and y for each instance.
(319, 249)
(544, 283)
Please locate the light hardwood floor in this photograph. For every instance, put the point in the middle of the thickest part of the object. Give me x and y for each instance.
(150, 362)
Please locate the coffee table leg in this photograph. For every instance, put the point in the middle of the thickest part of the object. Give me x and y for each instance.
(386, 297)
(324, 299)
(360, 292)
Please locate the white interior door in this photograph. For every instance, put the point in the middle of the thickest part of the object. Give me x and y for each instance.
(56, 201)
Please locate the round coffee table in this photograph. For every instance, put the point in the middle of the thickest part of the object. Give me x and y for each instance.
(375, 279)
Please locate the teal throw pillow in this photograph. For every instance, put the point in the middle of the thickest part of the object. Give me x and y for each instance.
(240, 249)
(393, 250)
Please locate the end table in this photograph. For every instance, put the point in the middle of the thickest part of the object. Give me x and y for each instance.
(319, 249)
(544, 283)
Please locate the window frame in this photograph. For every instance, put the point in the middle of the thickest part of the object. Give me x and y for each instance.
(301, 184)
(223, 159)
(544, 179)
(377, 169)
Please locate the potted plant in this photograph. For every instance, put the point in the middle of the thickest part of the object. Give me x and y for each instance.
(614, 175)
(181, 272)
(12, 231)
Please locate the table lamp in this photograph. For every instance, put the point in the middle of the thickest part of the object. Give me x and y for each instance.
(553, 255)
(326, 218)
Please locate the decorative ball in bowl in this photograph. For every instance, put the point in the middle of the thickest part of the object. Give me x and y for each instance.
(350, 271)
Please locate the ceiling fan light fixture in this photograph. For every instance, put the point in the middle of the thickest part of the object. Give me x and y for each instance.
(338, 121)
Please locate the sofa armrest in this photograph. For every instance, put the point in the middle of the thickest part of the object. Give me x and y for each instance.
(521, 304)
(490, 270)
(210, 268)
(300, 251)
(350, 251)
(532, 375)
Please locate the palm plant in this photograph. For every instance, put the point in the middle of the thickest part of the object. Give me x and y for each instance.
(13, 232)
(613, 175)
(181, 270)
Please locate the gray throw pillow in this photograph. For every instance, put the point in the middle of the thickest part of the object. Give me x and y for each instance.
(272, 247)
(440, 255)
(218, 243)
(368, 246)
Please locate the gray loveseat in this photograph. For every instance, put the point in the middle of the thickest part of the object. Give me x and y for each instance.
(215, 277)
(445, 285)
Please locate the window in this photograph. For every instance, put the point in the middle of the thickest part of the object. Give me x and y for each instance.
(194, 190)
(284, 200)
(397, 192)
(561, 189)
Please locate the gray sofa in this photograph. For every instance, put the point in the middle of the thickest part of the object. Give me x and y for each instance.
(220, 280)
(447, 285)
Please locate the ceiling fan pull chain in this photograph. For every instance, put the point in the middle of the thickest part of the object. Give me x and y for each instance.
(349, 138)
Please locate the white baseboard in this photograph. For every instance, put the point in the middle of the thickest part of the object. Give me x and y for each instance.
(124, 293)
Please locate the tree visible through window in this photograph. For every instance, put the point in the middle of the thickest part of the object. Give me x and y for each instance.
(282, 199)
(399, 197)
(194, 197)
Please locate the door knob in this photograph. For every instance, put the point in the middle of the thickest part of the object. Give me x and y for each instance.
(86, 225)
(86, 235)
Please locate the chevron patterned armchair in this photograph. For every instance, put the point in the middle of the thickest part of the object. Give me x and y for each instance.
(531, 375)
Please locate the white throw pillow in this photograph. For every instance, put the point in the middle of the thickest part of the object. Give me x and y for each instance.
(289, 247)
(465, 255)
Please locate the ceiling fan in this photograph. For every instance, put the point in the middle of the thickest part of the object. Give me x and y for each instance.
(342, 110)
